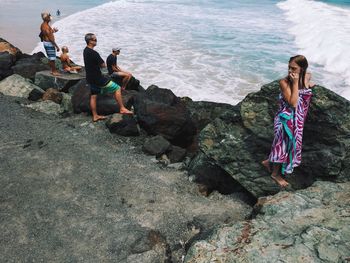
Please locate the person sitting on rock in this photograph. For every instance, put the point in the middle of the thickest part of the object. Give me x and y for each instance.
(289, 121)
(115, 71)
(97, 82)
(48, 39)
(67, 64)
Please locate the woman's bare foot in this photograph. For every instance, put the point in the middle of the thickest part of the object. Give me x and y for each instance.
(55, 73)
(279, 180)
(125, 111)
(98, 118)
(266, 164)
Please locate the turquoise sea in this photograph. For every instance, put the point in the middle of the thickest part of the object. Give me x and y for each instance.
(213, 50)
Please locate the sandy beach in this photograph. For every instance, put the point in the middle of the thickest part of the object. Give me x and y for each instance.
(20, 20)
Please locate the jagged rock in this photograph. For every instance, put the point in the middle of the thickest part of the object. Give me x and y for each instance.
(36, 94)
(53, 95)
(8, 47)
(204, 112)
(18, 86)
(176, 154)
(47, 106)
(133, 84)
(124, 125)
(45, 80)
(66, 103)
(206, 173)
(311, 225)
(28, 65)
(241, 138)
(156, 145)
(160, 112)
(106, 104)
(6, 62)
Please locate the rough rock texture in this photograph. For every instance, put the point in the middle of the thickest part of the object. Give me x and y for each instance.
(156, 145)
(124, 125)
(73, 192)
(211, 176)
(53, 95)
(28, 65)
(17, 86)
(160, 112)
(241, 138)
(106, 104)
(204, 112)
(8, 47)
(176, 154)
(44, 79)
(7, 60)
(133, 84)
(311, 225)
(47, 107)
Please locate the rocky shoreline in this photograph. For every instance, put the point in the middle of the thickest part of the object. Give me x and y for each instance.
(175, 183)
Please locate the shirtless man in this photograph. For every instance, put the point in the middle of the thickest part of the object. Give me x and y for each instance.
(115, 70)
(67, 64)
(48, 40)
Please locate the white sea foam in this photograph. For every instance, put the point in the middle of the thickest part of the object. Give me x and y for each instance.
(194, 50)
(322, 33)
(209, 51)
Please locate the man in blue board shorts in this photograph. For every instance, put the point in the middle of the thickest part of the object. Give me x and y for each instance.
(48, 39)
(97, 82)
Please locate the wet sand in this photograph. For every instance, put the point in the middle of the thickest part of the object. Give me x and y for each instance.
(20, 20)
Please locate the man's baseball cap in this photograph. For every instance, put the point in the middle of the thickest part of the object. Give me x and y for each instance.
(116, 49)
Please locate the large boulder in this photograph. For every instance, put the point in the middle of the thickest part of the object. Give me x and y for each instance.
(160, 112)
(28, 65)
(204, 112)
(122, 124)
(241, 138)
(7, 60)
(8, 56)
(8, 47)
(133, 84)
(311, 225)
(44, 79)
(106, 104)
(18, 86)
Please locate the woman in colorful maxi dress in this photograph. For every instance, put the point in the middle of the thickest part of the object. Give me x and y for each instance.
(289, 121)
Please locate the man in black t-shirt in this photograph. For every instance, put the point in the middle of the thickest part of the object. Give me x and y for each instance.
(114, 70)
(97, 82)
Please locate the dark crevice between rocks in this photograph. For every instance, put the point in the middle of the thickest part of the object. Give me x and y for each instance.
(211, 177)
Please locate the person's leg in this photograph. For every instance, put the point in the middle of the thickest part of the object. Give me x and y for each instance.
(276, 175)
(51, 55)
(126, 77)
(95, 116)
(119, 99)
(52, 65)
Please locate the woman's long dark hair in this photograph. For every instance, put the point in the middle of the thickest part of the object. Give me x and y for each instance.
(301, 61)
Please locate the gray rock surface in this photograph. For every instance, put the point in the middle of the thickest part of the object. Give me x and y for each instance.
(17, 86)
(44, 79)
(46, 106)
(241, 138)
(124, 125)
(311, 225)
(156, 145)
(27, 66)
(73, 192)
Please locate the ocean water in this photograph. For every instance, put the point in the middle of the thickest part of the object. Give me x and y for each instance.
(216, 50)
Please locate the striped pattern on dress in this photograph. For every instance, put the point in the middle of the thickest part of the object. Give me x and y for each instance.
(288, 132)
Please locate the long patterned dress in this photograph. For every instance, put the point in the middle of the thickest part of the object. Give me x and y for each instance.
(288, 132)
